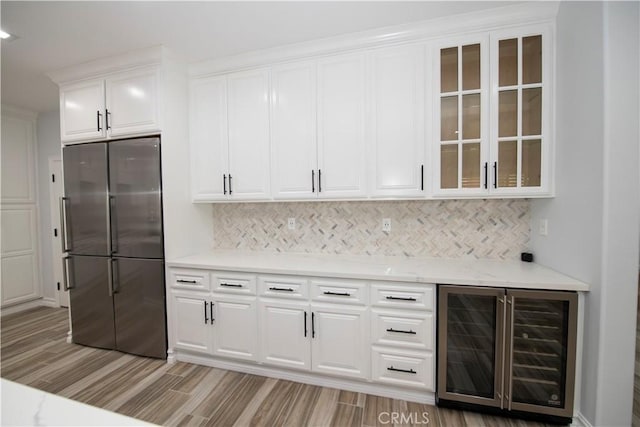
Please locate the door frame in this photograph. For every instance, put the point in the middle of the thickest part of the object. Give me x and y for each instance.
(55, 169)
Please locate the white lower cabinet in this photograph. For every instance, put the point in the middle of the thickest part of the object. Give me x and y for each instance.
(235, 329)
(190, 324)
(404, 368)
(285, 330)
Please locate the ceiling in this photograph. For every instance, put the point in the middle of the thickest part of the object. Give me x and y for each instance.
(53, 35)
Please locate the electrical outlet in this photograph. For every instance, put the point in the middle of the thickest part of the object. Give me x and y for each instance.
(543, 227)
(291, 223)
(386, 224)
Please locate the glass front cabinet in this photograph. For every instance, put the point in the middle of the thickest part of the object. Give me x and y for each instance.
(510, 350)
(492, 114)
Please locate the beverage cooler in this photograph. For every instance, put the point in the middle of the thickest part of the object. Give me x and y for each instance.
(507, 351)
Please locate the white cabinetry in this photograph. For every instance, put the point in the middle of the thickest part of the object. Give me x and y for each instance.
(193, 331)
(285, 328)
(397, 122)
(235, 327)
(117, 105)
(318, 125)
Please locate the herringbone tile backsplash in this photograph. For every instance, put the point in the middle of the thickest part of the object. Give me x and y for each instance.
(497, 229)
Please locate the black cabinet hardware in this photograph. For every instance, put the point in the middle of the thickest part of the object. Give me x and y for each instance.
(340, 294)
(422, 177)
(224, 184)
(486, 174)
(400, 331)
(281, 289)
(58, 285)
(106, 116)
(313, 325)
(495, 174)
(205, 313)
(305, 324)
(408, 371)
(53, 177)
(185, 281)
(55, 232)
(230, 285)
(319, 180)
(401, 298)
(313, 181)
(211, 312)
(98, 115)
(230, 184)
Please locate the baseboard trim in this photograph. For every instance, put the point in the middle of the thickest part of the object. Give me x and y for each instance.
(50, 302)
(377, 389)
(23, 306)
(581, 421)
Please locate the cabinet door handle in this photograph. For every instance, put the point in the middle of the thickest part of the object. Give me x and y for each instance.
(401, 298)
(313, 181)
(186, 281)
(281, 289)
(313, 325)
(224, 184)
(98, 115)
(230, 184)
(421, 177)
(408, 371)
(305, 324)
(205, 313)
(106, 116)
(230, 285)
(211, 311)
(400, 331)
(486, 175)
(495, 174)
(319, 180)
(340, 294)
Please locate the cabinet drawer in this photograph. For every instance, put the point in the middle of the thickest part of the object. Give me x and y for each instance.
(233, 283)
(339, 291)
(408, 369)
(283, 287)
(401, 329)
(392, 295)
(196, 280)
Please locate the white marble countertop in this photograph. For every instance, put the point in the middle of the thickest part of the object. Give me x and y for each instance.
(509, 274)
(26, 406)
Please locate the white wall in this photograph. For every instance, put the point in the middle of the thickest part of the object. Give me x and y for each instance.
(47, 145)
(593, 221)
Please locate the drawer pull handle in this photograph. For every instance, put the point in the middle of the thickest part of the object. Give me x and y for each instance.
(401, 298)
(401, 331)
(230, 285)
(407, 371)
(341, 294)
(186, 281)
(281, 289)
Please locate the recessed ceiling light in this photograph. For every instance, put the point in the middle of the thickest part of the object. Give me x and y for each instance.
(4, 35)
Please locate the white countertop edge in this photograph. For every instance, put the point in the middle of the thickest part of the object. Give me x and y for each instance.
(464, 272)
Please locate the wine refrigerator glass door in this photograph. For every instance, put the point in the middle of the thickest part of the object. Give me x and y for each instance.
(470, 344)
(540, 351)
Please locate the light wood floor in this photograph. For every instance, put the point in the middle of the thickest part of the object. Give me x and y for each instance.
(34, 352)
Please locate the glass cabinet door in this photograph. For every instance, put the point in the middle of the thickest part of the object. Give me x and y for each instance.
(461, 113)
(541, 351)
(470, 342)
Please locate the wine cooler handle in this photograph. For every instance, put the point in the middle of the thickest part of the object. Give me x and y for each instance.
(502, 307)
(509, 396)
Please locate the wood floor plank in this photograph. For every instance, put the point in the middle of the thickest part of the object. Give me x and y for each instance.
(347, 415)
(303, 406)
(276, 409)
(238, 399)
(218, 395)
(148, 395)
(326, 405)
(263, 393)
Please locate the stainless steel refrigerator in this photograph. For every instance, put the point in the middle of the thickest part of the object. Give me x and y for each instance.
(113, 238)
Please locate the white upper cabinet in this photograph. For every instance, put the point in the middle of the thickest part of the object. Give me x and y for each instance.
(122, 104)
(342, 155)
(82, 111)
(133, 104)
(208, 138)
(397, 122)
(293, 131)
(249, 148)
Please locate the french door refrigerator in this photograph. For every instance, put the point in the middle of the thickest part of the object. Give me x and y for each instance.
(507, 351)
(113, 238)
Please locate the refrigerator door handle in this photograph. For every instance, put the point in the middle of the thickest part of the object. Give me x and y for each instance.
(110, 276)
(65, 273)
(115, 279)
(63, 224)
(112, 226)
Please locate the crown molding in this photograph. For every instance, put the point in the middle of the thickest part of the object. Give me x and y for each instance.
(485, 20)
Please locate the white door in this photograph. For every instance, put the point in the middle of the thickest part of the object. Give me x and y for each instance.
(133, 102)
(55, 193)
(235, 322)
(397, 80)
(192, 329)
(340, 340)
(82, 111)
(248, 109)
(209, 139)
(285, 334)
(293, 131)
(342, 155)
